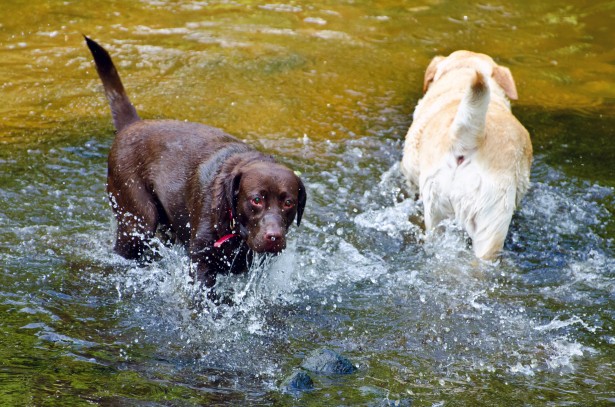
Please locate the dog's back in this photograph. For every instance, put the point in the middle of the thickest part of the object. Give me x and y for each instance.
(219, 196)
(466, 152)
(151, 162)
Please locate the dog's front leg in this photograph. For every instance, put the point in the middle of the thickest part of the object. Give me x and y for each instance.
(203, 271)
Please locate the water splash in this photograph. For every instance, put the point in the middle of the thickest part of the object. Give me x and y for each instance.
(432, 297)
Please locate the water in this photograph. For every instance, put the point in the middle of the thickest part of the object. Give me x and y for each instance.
(329, 89)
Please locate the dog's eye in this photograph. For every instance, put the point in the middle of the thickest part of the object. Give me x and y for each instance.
(288, 203)
(257, 201)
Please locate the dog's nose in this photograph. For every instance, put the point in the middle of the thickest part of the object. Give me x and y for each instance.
(273, 236)
(274, 241)
(273, 233)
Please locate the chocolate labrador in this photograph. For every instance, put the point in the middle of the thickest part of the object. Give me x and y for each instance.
(221, 198)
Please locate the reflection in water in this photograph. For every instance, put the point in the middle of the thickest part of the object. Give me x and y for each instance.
(328, 88)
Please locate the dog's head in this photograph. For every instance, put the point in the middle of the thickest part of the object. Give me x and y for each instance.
(265, 199)
(440, 66)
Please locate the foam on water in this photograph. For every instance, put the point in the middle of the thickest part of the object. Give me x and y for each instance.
(448, 280)
(394, 221)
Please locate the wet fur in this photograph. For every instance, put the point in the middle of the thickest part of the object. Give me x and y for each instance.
(196, 181)
(465, 152)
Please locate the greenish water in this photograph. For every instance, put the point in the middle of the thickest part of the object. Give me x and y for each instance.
(329, 88)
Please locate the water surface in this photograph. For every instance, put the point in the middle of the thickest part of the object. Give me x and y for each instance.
(329, 88)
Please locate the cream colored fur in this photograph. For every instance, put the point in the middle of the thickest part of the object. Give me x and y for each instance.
(466, 153)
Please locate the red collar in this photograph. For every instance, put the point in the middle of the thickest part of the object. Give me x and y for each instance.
(223, 239)
(218, 243)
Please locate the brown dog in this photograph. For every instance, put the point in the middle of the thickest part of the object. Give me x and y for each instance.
(219, 197)
(468, 155)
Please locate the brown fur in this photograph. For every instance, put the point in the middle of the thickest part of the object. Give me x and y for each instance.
(197, 181)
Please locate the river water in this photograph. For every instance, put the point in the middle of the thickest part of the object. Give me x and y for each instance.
(329, 89)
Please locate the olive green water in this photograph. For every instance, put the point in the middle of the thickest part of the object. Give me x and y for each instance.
(329, 88)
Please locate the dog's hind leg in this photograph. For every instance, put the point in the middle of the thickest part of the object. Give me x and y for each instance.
(137, 226)
(488, 242)
(489, 227)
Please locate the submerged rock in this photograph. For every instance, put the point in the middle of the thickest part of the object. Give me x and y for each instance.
(298, 381)
(326, 361)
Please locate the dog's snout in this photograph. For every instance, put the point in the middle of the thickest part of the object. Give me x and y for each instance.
(273, 229)
(272, 222)
(273, 241)
(273, 235)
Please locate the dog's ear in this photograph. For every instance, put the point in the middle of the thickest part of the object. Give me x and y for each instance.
(232, 193)
(430, 73)
(302, 198)
(503, 77)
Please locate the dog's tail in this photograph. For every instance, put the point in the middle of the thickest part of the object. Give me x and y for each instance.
(123, 112)
(468, 129)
